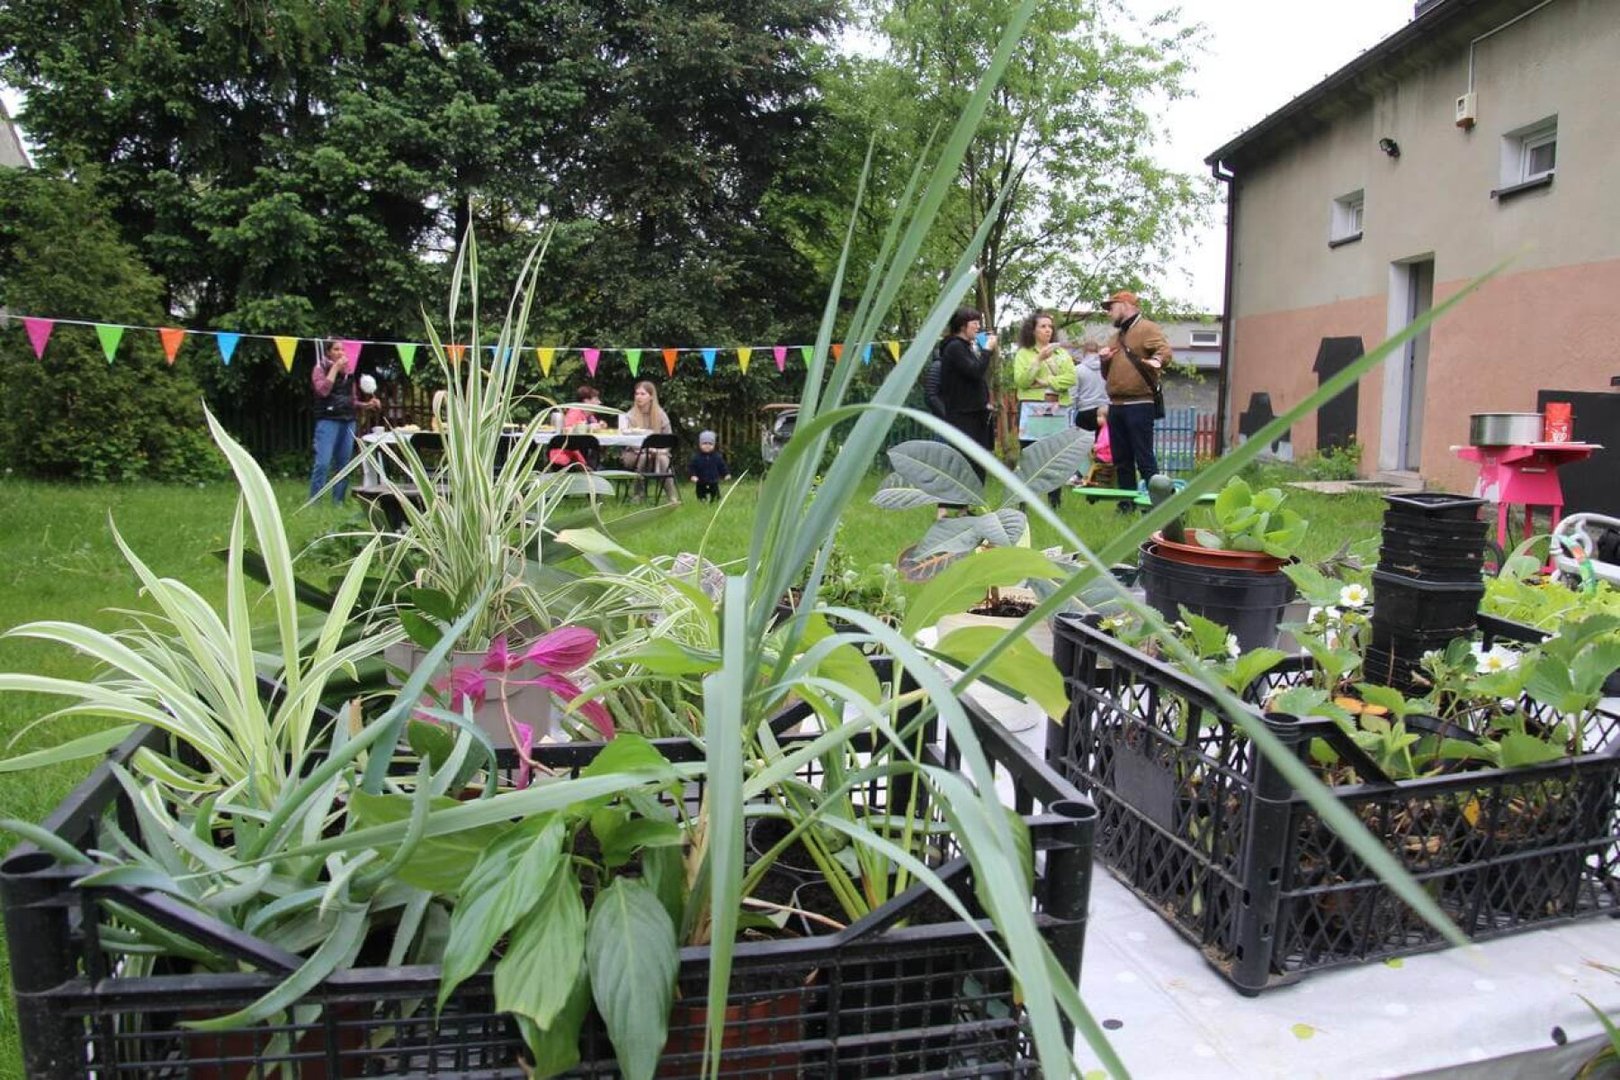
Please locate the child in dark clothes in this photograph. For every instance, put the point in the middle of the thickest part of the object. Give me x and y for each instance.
(708, 468)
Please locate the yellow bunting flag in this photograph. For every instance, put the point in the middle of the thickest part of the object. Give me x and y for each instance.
(742, 358)
(894, 350)
(285, 347)
(172, 336)
(545, 354)
(669, 360)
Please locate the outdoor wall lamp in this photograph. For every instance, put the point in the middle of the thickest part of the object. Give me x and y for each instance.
(1390, 147)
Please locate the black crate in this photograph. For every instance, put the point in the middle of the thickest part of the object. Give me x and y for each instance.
(1195, 821)
(876, 999)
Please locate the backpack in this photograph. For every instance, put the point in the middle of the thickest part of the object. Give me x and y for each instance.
(931, 375)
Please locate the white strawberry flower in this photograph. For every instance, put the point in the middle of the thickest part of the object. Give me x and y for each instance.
(1495, 659)
(1353, 595)
(1232, 649)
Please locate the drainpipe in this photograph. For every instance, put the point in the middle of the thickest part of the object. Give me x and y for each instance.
(1226, 176)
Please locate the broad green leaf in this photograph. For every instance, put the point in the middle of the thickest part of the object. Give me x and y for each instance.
(1520, 749)
(1022, 667)
(1233, 497)
(938, 471)
(633, 958)
(1048, 463)
(1001, 528)
(894, 493)
(627, 752)
(556, 1049)
(439, 864)
(846, 664)
(950, 536)
(964, 584)
(662, 656)
(1251, 665)
(1385, 697)
(545, 954)
(1209, 636)
(505, 885)
(434, 603)
(640, 833)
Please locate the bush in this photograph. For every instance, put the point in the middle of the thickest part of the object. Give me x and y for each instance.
(72, 415)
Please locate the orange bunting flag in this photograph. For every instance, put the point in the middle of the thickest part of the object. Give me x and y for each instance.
(838, 351)
(545, 355)
(669, 360)
(742, 358)
(894, 350)
(285, 348)
(172, 337)
(455, 352)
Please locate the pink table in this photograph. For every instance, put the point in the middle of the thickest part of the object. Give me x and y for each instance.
(1525, 475)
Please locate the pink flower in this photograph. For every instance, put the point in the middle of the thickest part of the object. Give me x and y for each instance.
(564, 649)
(465, 684)
(568, 690)
(525, 748)
(499, 658)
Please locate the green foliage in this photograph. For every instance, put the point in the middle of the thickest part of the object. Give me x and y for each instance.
(1249, 520)
(74, 415)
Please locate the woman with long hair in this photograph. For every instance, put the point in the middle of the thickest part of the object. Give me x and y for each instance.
(645, 414)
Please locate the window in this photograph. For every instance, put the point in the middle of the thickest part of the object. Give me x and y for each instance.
(1347, 210)
(1529, 156)
(1204, 338)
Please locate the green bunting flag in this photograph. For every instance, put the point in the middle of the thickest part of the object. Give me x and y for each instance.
(407, 354)
(110, 337)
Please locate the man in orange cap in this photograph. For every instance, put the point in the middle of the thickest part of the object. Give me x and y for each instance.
(1133, 364)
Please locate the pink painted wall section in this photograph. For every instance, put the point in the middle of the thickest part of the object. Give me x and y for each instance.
(1275, 354)
(1519, 333)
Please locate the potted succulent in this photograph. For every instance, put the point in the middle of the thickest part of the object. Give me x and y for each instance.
(1230, 572)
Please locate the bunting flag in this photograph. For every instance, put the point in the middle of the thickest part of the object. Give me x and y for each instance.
(172, 336)
(407, 354)
(351, 352)
(285, 348)
(39, 332)
(780, 352)
(227, 346)
(807, 351)
(743, 355)
(669, 360)
(455, 352)
(545, 356)
(837, 351)
(894, 350)
(708, 360)
(110, 337)
(592, 356)
(866, 353)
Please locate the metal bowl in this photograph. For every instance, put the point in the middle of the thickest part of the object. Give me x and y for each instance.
(1504, 428)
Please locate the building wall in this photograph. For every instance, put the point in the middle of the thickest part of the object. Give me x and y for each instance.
(1545, 322)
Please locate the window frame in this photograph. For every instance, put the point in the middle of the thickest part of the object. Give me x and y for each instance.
(1213, 336)
(1518, 147)
(1347, 217)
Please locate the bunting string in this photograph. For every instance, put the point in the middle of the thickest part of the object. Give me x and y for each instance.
(111, 335)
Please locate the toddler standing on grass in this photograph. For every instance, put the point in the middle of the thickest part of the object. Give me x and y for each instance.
(708, 468)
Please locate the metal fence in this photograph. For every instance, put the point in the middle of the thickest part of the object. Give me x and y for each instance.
(1184, 438)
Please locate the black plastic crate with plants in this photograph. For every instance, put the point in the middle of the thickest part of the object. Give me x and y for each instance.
(1489, 809)
(909, 987)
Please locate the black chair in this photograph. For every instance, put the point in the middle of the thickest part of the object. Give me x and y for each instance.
(586, 446)
(647, 466)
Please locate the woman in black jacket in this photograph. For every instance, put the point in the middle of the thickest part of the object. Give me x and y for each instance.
(964, 387)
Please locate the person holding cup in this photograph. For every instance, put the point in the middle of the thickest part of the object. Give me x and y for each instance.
(964, 385)
(333, 383)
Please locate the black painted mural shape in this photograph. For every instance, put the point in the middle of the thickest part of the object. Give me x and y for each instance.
(1336, 421)
(1257, 416)
(1592, 485)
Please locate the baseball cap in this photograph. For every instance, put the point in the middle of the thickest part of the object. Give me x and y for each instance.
(1122, 297)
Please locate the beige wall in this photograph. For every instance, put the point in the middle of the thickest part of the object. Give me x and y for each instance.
(1290, 289)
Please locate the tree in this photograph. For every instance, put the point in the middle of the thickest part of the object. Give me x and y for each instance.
(1067, 137)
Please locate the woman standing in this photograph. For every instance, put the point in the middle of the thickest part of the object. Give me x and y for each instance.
(1042, 371)
(964, 389)
(333, 382)
(645, 414)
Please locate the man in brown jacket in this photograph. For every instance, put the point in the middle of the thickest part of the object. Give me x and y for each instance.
(1133, 364)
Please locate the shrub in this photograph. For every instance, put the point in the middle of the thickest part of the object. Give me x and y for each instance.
(73, 415)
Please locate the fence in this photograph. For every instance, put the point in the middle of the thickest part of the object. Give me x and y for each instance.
(1184, 438)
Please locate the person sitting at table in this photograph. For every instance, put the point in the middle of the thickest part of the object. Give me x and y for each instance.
(645, 415)
(574, 417)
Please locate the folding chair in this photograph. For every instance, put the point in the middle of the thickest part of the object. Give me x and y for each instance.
(647, 466)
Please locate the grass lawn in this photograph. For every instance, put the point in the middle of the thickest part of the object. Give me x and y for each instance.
(58, 560)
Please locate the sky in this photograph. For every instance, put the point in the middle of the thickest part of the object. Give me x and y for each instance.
(1259, 55)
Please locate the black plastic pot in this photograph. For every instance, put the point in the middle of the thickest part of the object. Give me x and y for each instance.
(1432, 506)
(1425, 605)
(1405, 641)
(1425, 550)
(1247, 602)
(1450, 570)
(1447, 539)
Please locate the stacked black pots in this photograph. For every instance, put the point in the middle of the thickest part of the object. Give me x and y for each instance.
(1428, 584)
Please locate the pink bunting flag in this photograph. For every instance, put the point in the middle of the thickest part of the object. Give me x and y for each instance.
(780, 352)
(592, 357)
(351, 351)
(39, 332)
(171, 336)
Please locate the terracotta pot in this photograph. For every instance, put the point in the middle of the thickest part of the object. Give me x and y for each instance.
(1217, 558)
(527, 704)
(752, 1028)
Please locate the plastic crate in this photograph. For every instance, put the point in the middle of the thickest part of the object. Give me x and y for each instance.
(875, 999)
(1200, 825)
